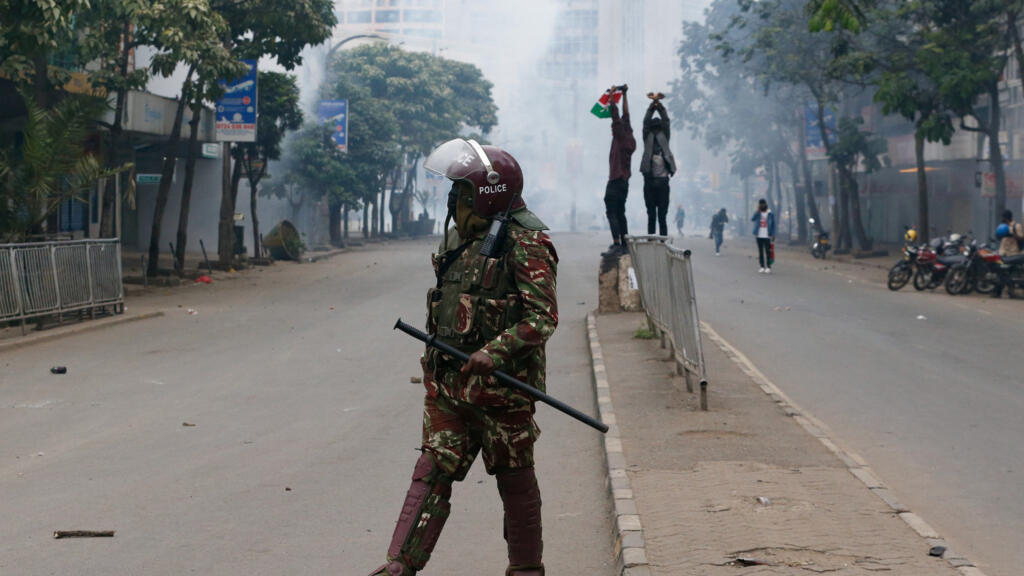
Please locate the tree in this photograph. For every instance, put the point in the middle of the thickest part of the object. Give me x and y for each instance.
(192, 39)
(281, 29)
(278, 97)
(32, 30)
(722, 98)
(51, 166)
(432, 99)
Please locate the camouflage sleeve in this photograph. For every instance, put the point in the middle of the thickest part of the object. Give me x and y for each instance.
(535, 262)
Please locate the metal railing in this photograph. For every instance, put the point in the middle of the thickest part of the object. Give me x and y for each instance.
(665, 277)
(54, 278)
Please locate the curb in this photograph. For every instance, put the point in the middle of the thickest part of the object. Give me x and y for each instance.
(89, 326)
(630, 549)
(853, 461)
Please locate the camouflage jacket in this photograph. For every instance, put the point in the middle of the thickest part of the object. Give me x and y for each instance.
(505, 307)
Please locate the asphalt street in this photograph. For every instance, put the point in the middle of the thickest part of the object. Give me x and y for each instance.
(928, 388)
(267, 425)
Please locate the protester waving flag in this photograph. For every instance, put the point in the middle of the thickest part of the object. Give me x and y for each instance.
(600, 108)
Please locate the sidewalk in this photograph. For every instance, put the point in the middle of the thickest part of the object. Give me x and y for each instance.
(746, 484)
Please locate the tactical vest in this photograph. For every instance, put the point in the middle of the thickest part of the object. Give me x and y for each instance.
(476, 297)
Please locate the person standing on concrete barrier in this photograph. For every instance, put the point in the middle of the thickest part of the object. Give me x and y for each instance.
(619, 158)
(764, 231)
(657, 165)
(718, 222)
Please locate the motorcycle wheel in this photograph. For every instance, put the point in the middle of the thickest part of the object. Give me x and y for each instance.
(815, 253)
(985, 284)
(922, 280)
(958, 280)
(899, 276)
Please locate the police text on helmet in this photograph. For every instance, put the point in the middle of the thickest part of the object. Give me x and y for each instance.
(493, 189)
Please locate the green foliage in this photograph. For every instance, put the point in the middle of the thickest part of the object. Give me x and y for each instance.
(280, 112)
(51, 165)
(644, 333)
(31, 29)
(281, 29)
(855, 146)
(830, 15)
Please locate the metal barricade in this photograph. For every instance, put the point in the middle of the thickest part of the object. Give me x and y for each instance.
(665, 277)
(53, 278)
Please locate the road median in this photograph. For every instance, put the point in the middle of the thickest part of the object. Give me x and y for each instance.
(754, 482)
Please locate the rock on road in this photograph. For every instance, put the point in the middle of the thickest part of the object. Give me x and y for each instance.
(305, 431)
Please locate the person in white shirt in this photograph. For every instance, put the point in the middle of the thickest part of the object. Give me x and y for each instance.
(764, 231)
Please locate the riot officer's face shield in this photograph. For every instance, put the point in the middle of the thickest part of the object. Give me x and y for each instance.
(458, 159)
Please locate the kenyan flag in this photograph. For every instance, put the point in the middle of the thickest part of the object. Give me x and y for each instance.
(600, 108)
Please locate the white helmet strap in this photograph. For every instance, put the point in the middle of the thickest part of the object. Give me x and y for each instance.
(492, 176)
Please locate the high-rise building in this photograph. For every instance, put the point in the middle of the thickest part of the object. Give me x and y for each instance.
(395, 18)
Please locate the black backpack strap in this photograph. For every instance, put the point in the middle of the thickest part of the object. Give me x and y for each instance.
(448, 259)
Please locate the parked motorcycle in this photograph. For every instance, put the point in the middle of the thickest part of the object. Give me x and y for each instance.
(901, 272)
(978, 271)
(934, 261)
(1010, 272)
(822, 243)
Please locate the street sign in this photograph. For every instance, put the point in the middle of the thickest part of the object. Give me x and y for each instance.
(335, 113)
(815, 146)
(148, 178)
(236, 109)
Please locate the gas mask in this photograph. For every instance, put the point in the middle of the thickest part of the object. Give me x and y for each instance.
(460, 204)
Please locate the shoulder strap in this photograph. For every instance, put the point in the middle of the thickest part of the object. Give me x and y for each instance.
(448, 259)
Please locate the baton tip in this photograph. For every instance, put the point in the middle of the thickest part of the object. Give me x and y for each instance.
(397, 324)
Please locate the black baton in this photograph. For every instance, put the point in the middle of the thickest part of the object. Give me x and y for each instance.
(504, 378)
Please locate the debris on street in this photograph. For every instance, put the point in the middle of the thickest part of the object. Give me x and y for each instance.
(59, 370)
(58, 534)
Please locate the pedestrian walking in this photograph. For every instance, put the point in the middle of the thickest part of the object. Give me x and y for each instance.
(718, 222)
(657, 165)
(680, 219)
(764, 230)
(494, 299)
(619, 158)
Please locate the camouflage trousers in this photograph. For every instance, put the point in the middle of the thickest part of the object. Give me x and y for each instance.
(454, 432)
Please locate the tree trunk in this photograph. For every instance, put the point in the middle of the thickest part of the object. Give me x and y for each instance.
(805, 167)
(395, 205)
(798, 201)
(254, 183)
(228, 194)
(366, 211)
(853, 188)
(374, 218)
(334, 221)
(995, 150)
(41, 92)
(166, 175)
(922, 190)
(108, 203)
(1018, 50)
(345, 219)
(186, 188)
(768, 192)
(839, 220)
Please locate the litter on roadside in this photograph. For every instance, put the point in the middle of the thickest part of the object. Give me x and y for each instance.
(83, 534)
(59, 370)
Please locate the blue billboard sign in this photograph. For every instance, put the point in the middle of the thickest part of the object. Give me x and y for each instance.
(815, 145)
(236, 109)
(334, 113)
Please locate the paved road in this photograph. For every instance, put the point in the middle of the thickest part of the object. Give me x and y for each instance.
(305, 432)
(934, 404)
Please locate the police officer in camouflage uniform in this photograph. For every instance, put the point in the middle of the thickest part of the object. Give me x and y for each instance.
(501, 309)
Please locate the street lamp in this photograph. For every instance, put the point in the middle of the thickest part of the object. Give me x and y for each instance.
(332, 49)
